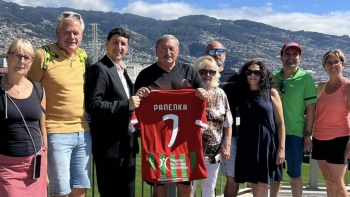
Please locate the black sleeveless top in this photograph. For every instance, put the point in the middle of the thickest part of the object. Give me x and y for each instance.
(14, 137)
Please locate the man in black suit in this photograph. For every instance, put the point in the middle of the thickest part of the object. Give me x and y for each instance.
(109, 101)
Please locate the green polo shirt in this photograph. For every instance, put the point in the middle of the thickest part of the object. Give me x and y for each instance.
(299, 91)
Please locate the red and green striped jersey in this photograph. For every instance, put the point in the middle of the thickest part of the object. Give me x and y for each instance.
(171, 123)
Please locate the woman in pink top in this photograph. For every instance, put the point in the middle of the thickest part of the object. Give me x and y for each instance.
(331, 128)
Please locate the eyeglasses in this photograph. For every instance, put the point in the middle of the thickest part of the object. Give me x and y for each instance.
(336, 63)
(18, 57)
(67, 15)
(281, 83)
(255, 72)
(213, 51)
(206, 72)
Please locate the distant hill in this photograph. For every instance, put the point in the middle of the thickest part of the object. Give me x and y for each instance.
(244, 39)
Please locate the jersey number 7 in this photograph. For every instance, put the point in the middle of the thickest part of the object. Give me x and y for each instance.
(175, 119)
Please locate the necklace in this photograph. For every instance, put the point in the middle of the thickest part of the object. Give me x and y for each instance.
(13, 86)
(18, 92)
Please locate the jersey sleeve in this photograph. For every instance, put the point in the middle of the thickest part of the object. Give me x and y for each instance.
(134, 124)
(201, 119)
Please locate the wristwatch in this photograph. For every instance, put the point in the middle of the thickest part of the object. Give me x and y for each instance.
(307, 134)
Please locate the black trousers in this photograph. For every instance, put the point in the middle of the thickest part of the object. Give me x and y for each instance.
(115, 177)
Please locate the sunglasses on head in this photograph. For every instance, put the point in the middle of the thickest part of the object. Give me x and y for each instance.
(213, 51)
(255, 72)
(206, 72)
(281, 87)
(67, 15)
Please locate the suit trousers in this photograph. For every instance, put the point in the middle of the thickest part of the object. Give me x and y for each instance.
(115, 177)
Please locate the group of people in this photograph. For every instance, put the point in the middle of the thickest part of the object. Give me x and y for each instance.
(46, 138)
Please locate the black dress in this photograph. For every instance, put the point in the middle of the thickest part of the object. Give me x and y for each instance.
(257, 141)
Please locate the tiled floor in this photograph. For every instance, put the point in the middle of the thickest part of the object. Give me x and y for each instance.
(286, 191)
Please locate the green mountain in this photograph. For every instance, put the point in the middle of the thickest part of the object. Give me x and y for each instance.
(244, 39)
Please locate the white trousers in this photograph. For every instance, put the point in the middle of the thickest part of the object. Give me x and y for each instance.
(208, 184)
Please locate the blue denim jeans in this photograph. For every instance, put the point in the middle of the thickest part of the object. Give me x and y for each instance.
(69, 157)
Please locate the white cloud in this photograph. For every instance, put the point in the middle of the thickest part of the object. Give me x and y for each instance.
(97, 5)
(163, 10)
(269, 4)
(334, 23)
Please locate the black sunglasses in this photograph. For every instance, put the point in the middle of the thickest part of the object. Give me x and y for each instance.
(213, 51)
(255, 72)
(66, 15)
(205, 72)
(282, 90)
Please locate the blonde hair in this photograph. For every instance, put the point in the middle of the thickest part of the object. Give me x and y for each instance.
(208, 61)
(21, 44)
(338, 53)
(70, 16)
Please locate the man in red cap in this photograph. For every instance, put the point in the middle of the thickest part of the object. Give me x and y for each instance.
(298, 93)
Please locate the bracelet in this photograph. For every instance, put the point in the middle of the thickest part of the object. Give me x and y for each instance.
(307, 134)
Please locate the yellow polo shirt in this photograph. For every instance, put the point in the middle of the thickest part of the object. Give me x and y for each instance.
(64, 87)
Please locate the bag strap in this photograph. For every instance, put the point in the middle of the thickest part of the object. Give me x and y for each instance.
(48, 54)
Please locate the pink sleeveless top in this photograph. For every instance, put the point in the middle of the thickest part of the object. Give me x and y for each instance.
(332, 115)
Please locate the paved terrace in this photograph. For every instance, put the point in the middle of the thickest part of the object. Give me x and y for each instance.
(286, 191)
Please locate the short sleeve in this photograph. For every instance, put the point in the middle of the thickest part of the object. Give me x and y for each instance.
(228, 121)
(36, 71)
(310, 96)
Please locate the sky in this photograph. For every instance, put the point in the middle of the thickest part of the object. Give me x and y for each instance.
(324, 16)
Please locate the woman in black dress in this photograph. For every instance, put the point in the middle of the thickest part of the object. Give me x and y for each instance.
(261, 134)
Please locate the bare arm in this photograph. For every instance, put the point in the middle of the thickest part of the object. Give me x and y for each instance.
(309, 122)
(279, 121)
(42, 121)
(43, 128)
(347, 98)
(226, 148)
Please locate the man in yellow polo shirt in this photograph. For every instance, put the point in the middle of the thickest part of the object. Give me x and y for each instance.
(69, 141)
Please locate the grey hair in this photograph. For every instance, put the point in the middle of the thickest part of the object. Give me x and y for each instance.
(71, 17)
(167, 37)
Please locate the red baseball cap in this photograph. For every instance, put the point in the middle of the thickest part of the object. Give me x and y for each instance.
(291, 45)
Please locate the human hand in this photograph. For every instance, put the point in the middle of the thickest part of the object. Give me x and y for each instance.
(47, 179)
(225, 152)
(143, 92)
(347, 152)
(134, 102)
(307, 143)
(203, 94)
(280, 157)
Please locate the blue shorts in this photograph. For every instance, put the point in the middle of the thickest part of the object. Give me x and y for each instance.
(228, 166)
(69, 157)
(294, 155)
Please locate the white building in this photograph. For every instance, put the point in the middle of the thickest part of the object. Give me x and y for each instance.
(134, 69)
(3, 63)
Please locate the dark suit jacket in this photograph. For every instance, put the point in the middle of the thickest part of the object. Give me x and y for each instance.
(107, 103)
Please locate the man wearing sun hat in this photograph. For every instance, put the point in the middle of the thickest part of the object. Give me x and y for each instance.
(298, 93)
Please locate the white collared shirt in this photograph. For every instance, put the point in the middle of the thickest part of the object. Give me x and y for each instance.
(120, 71)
